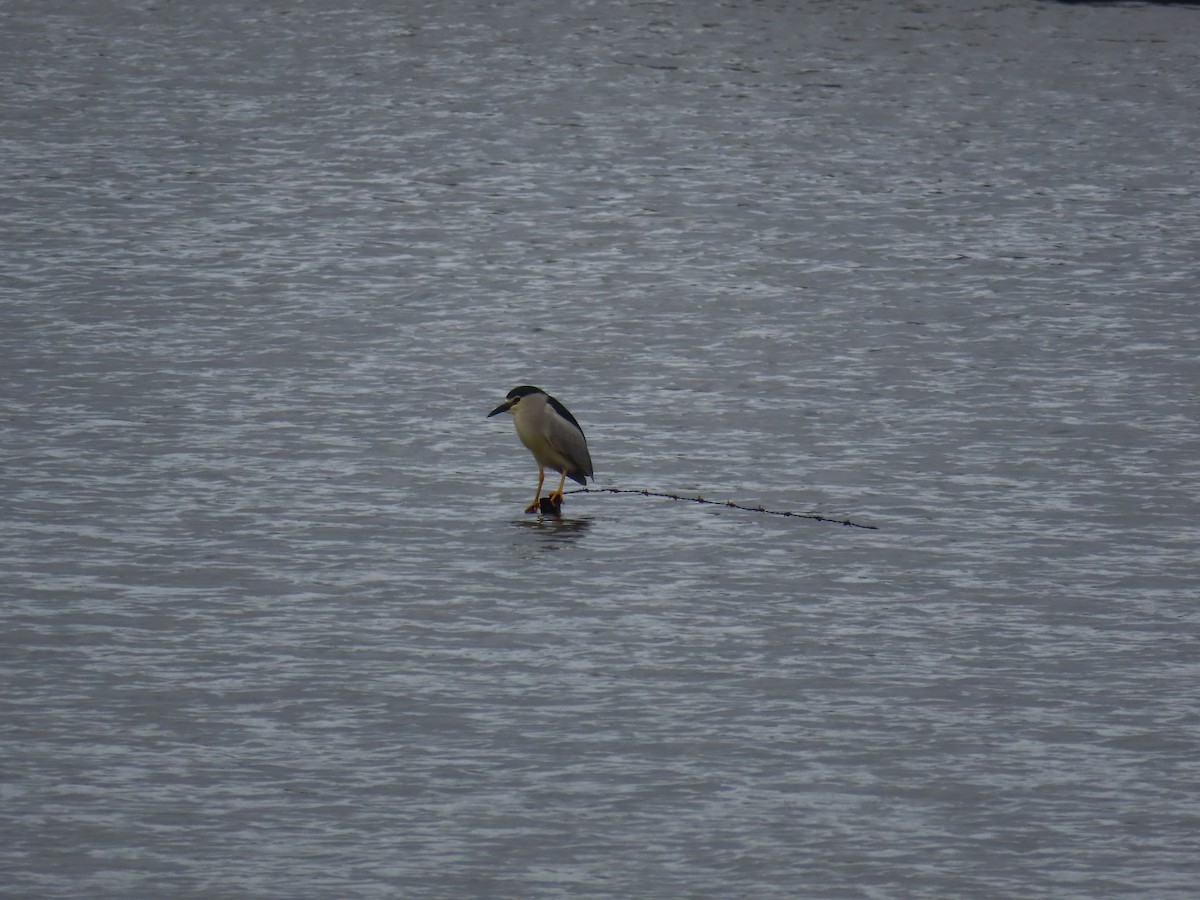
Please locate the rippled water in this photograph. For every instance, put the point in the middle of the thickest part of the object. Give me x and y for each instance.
(273, 623)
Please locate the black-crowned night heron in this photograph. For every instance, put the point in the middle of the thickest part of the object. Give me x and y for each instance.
(552, 435)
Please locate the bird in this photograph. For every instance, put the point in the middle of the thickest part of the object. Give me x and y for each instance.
(552, 435)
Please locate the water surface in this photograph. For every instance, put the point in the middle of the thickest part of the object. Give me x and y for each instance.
(273, 622)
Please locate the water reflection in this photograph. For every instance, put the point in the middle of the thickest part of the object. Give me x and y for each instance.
(555, 532)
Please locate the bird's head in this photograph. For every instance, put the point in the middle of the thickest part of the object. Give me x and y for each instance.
(514, 399)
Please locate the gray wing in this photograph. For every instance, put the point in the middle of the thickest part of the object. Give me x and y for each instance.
(564, 435)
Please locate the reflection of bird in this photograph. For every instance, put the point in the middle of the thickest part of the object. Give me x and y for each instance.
(552, 435)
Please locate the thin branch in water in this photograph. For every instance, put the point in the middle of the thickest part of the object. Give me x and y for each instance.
(849, 523)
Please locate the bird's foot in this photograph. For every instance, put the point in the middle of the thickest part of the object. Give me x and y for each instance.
(535, 505)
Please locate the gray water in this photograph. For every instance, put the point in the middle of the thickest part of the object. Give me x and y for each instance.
(273, 622)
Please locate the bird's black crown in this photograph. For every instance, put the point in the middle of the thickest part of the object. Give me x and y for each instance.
(524, 391)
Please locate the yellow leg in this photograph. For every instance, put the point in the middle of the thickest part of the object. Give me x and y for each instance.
(556, 496)
(533, 507)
